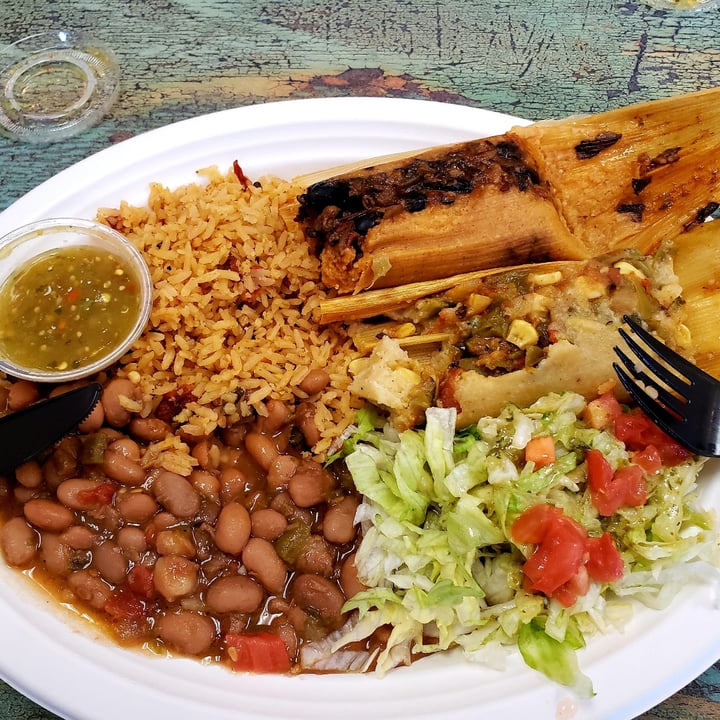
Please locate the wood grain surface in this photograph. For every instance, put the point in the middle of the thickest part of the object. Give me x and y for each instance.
(182, 58)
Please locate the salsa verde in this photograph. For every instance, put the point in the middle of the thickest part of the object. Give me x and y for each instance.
(67, 308)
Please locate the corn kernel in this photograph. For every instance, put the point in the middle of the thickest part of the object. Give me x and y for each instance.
(627, 268)
(476, 303)
(522, 334)
(547, 278)
(590, 289)
(402, 331)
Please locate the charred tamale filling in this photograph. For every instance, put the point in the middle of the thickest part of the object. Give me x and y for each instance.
(340, 211)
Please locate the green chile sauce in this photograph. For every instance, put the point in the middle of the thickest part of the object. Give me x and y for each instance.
(67, 308)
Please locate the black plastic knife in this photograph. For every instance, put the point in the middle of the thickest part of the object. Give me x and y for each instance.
(26, 433)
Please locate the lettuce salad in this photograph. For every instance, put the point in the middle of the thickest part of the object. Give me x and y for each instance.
(437, 553)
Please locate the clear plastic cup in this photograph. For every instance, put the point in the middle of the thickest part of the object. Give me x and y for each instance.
(55, 84)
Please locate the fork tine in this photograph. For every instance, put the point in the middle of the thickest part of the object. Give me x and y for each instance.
(678, 383)
(674, 403)
(670, 423)
(679, 363)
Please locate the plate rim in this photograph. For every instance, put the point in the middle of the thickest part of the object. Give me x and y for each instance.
(337, 109)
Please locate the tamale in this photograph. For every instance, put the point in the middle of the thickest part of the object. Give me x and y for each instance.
(697, 265)
(555, 190)
(514, 335)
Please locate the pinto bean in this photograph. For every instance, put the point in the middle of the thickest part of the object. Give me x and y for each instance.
(55, 554)
(305, 420)
(115, 414)
(110, 562)
(175, 541)
(283, 503)
(315, 381)
(23, 494)
(233, 528)
(187, 632)
(175, 577)
(207, 453)
(79, 494)
(19, 542)
(339, 521)
(268, 524)
(121, 468)
(90, 588)
(261, 560)
(29, 474)
(176, 494)
(287, 633)
(281, 470)
(132, 541)
(207, 484)
(261, 448)
(316, 557)
(349, 581)
(278, 415)
(164, 520)
(319, 596)
(149, 429)
(64, 463)
(234, 435)
(233, 483)
(78, 537)
(48, 515)
(311, 484)
(136, 507)
(94, 421)
(237, 593)
(21, 394)
(126, 446)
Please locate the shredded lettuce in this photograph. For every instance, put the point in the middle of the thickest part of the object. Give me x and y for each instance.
(438, 559)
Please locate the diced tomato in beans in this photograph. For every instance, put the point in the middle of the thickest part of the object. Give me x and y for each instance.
(100, 495)
(140, 581)
(262, 652)
(126, 605)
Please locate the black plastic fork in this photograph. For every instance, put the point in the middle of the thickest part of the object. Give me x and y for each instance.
(676, 395)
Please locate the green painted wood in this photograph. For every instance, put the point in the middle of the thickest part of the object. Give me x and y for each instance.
(182, 58)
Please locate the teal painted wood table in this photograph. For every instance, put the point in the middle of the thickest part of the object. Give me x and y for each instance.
(183, 58)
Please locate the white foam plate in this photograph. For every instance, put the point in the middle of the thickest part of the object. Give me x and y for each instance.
(74, 672)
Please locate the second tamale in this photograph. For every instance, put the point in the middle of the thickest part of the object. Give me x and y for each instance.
(564, 189)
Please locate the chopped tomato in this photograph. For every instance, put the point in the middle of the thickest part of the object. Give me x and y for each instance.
(648, 459)
(261, 652)
(637, 431)
(565, 559)
(141, 581)
(631, 480)
(540, 451)
(125, 605)
(574, 588)
(558, 556)
(601, 412)
(611, 491)
(533, 524)
(100, 495)
(604, 563)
